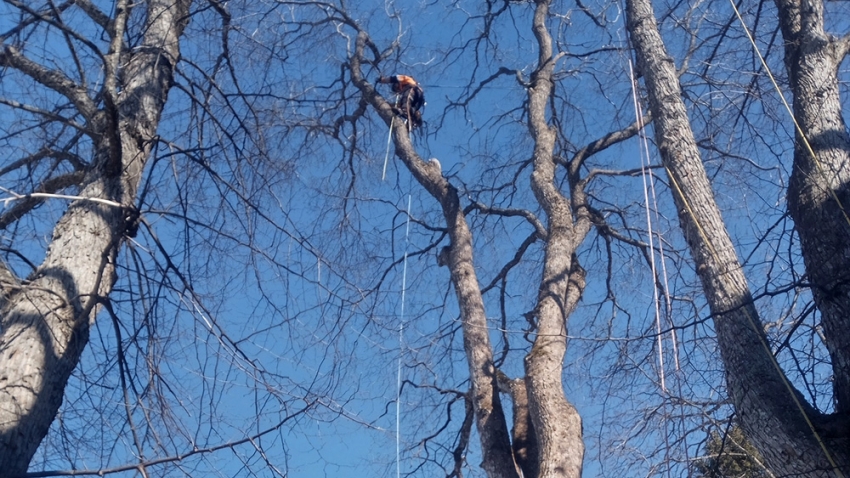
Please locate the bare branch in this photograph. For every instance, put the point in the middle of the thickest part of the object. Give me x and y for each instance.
(841, 46)
(41, 112)
(174, 458)
(77, 162)
(607, 141)
(53, 18)
(95, 14)
(31, 20)
(538, 226)
(53, 79)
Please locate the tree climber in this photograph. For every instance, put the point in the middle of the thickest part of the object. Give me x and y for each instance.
(411, 97)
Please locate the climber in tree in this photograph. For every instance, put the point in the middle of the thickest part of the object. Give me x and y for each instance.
(411, 97)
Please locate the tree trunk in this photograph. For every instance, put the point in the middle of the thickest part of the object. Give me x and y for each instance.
(557, 424)
(819, 189)
(45, 321)
(772, 413)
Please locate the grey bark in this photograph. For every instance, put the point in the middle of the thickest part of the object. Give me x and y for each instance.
(557, 424)
(785, 429)
(523, 439)
(819, 188)
(44, 321)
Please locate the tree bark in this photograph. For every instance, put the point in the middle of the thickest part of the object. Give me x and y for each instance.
(45, 320)
(819, 188)
(557, 424)
(777, 420)
(523, 439)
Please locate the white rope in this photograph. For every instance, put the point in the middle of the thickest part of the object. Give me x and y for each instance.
(644, 168)
(398, 405)
(387, 156)
(650, 192)
(389, 140)
(17, 197)
(401, 345)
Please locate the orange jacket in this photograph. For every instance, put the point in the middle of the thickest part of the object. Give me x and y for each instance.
(400, 82)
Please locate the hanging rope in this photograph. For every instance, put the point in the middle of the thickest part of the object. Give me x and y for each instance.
(648, 185)
(401, 344)
(387, 157)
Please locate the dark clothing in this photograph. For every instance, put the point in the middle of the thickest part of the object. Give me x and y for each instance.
(411, 97)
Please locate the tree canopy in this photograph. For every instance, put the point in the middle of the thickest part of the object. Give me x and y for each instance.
(620, 229)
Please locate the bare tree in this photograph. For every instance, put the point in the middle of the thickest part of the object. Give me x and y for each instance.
(547, 438)
(47, 314)
(795, 438)
(817, 189)
(117, 356)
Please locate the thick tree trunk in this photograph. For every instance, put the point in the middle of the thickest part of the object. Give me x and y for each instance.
(489, 416)
(819, 189)
(45, 321)
(557, 424)
(774, 416)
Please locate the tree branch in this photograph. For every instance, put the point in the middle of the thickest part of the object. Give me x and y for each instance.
(95, 14)
(53, 79)
(607, 141)
(173, 458)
